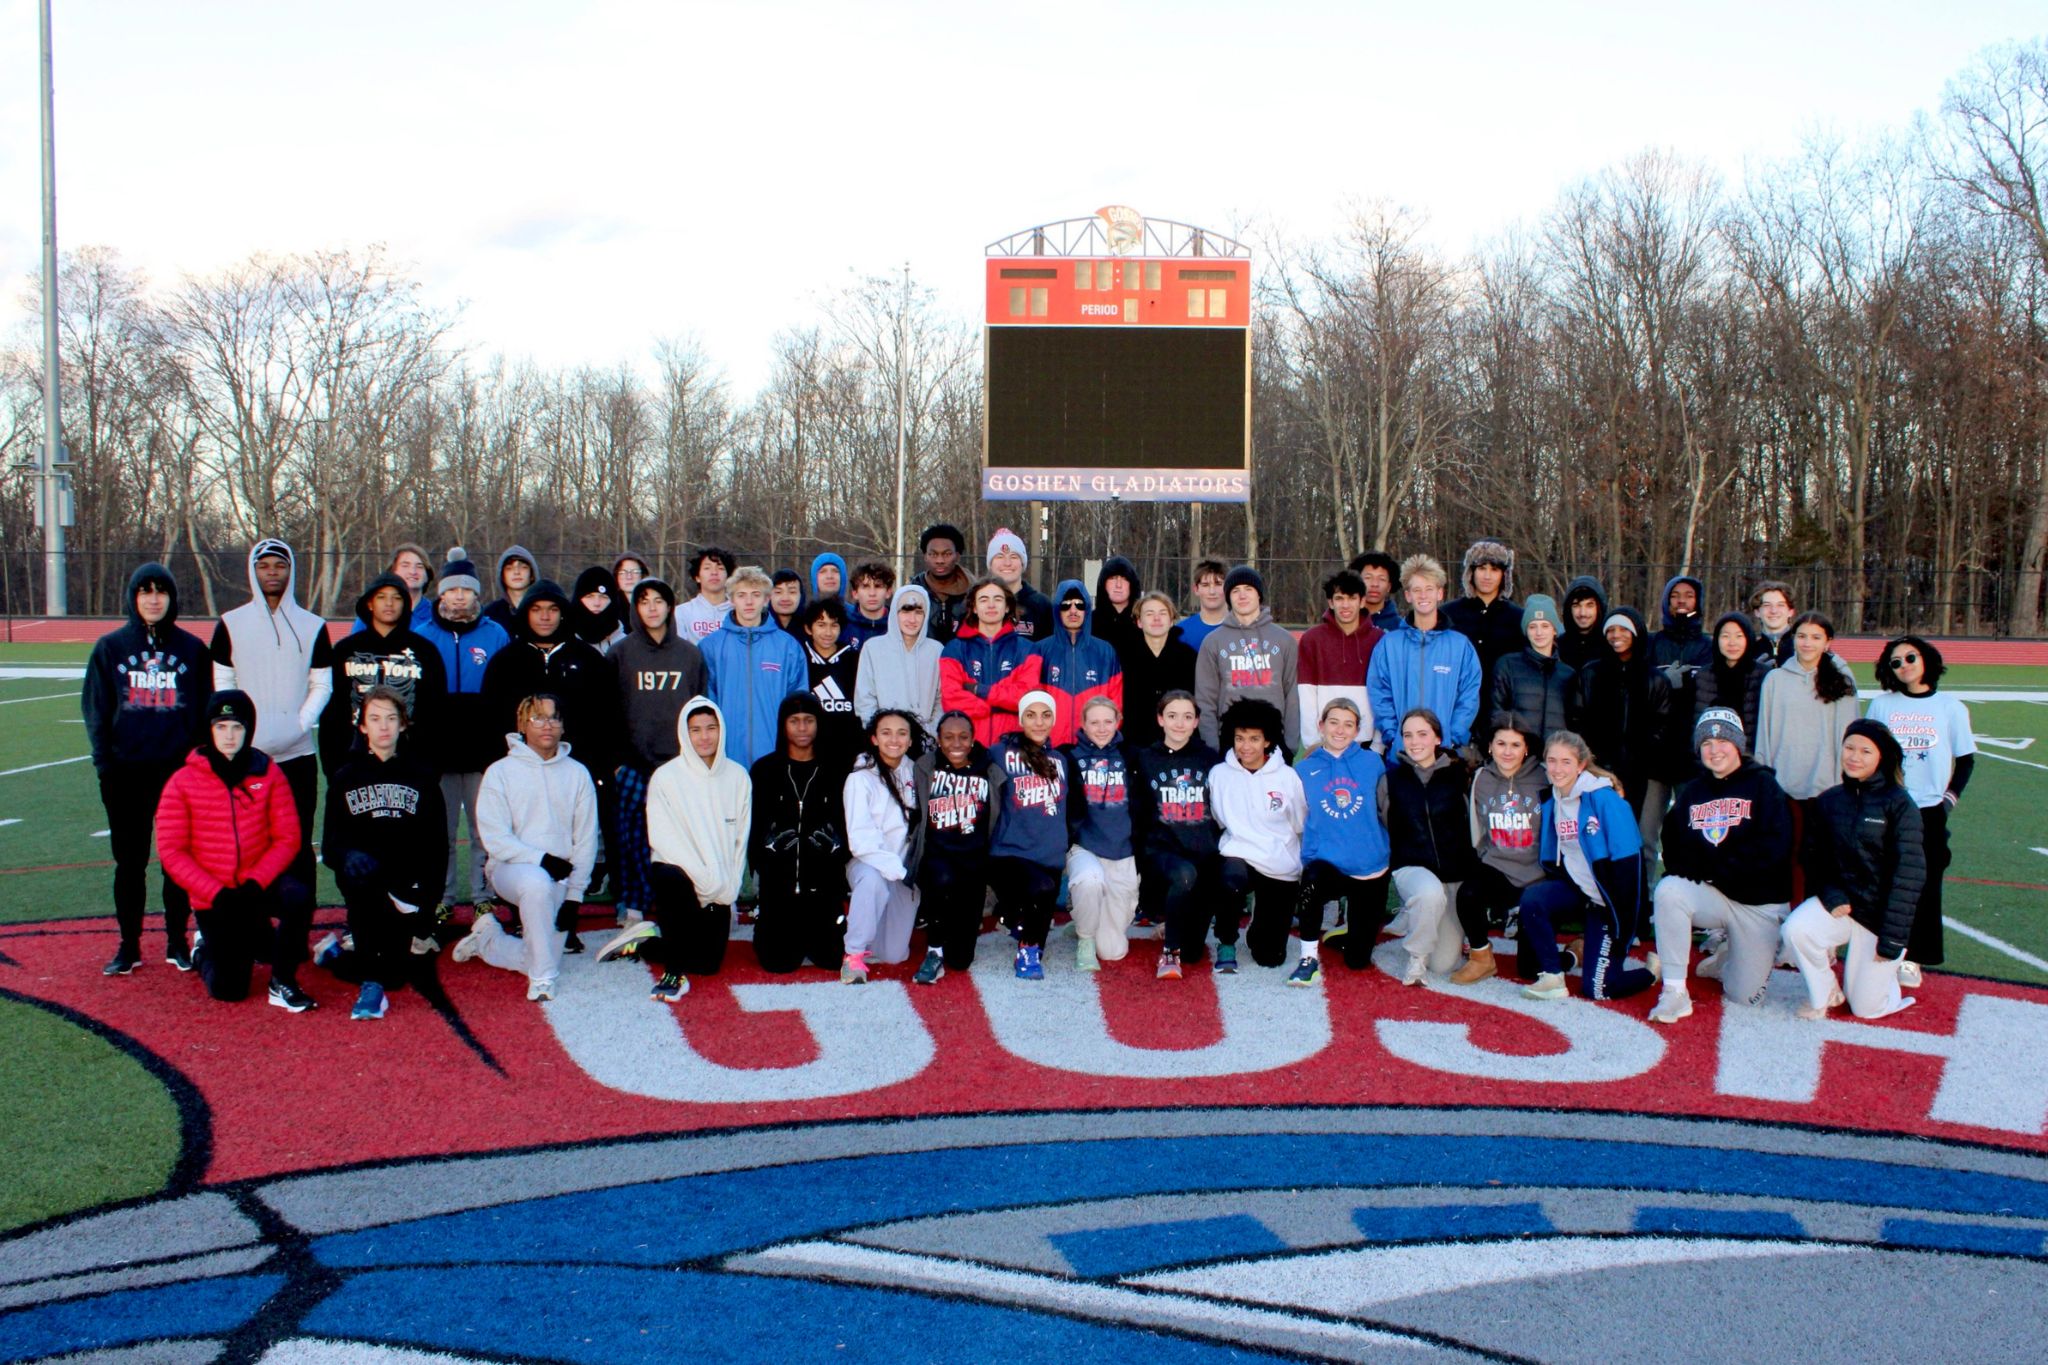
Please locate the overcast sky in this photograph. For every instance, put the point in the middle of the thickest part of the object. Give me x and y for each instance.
(581, 179)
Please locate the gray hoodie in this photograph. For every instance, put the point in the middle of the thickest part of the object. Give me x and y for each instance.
(892, 676)
(1507, 820)
(1256, 661)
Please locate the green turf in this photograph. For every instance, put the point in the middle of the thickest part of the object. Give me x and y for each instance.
(85, 1123)
(12, 652)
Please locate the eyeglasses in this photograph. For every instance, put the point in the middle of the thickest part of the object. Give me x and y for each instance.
(543, 720)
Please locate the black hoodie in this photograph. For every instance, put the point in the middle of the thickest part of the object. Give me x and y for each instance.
(1580, 647)
(958, 805)
(793, 802)
(401, 661)
(145, 685)
(1733, 833)
(1622, 707)
(563, 665)
(597, 628)
(1118, 628)
(390, 809)
(654, 680)
(1740, 688)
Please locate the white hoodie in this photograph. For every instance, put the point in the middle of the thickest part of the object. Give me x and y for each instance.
(892, 676)
(527, 807)
(698, 816)
(1261, 814)
(876, 831)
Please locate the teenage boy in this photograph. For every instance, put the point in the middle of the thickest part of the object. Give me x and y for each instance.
(830, 672)
(539, 815)
(1771, 604)
(1678, 652)
(1075, 666)
(469, 738)
(389, 653)
(1424, 663)
(945, 582)
(797, 846)
(1487, 615)
(658, 670)
(710, 570)
(1212, 608)
(1006, 563)
(1379, 571)
(227, 834)
(785, 598)
(1334, 655)
(145, 687)
(409, 561)
(386, 840)
(546, 656)
(1248, 658)
(868, 617)
(278, 652)
(518, 571)
(828, 576)
(900, 671)
(753, 666)
(1538, 690)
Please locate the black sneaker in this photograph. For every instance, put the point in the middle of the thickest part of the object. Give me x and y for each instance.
(286, 995)
(124, 961)
(931, 969)
(178, 955)
(573, 943)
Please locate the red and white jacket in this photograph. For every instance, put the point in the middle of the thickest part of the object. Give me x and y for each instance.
(211, 836)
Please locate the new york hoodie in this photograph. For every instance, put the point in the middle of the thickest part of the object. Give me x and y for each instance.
(145, 686)
(1239, 661)
(1077, 668)
(1342, 825)
(401, 661)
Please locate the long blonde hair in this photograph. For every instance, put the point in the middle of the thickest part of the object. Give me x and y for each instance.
(1568, 739)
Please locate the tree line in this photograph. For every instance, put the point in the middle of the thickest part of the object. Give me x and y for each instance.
(1834, 371)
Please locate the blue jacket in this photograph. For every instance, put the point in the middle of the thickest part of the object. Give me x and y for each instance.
(1343, 827)
(1100, 780)
(1031, 812)
(1438, 669)
(1076, 671)
(1613, 847)
(470, 739)
(752, 669)
(820, 562)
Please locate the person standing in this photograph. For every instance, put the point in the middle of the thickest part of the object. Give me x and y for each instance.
(227, 834)
(900, 671)
(1533, 685)
(786, 599)
(518, 571)
(538, 813)
(1157, 662)
(1248, 658)
(410, 562)
(1735, 677)
(1334, 654)
(1075, 664)
(658, 670)
(1115, 618)
(469, 738)
(867, 614)
(596, 616)
(1006, 563)
(1623, 702)
(753, 666)
(627, 571)
(1380, 572)
(1583, 636)
(698, 618)
(796, 844)
(831, 666)
(1212, 606)
(1771, 604)
(1487, 615)
(1678, 652)
(278, 652)
(828, 577)
(1938, 753)
(389, 653)
(1808, 703)
(1424, 664)
(145, 687)
(385, 839)
(945, 583)
(988, 668)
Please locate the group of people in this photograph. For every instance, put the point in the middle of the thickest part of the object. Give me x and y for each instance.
(849, 762)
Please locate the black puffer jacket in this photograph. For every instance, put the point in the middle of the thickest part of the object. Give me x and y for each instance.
(1540, 692)
(1740, 688)
(1428, 823)
(1863, 848)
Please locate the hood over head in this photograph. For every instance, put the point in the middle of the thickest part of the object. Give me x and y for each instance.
(1116, 566)
(545, 590)
(153, 572)
(1073, 587)
(633, 557)
(378, 584)
(1664, 598)
(273, 546)
(1740, 620)
(1585, 585)
(896, 600)
(1633, 619)
(596, 627)
(519, 552)
(836, 562)
(694, 706)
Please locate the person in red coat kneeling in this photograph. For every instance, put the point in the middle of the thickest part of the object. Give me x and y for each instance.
(227, 831)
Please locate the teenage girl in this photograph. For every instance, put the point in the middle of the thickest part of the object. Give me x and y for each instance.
(1590, 837)
(1029, 851)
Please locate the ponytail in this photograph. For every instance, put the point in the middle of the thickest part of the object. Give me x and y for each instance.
(1832, 681)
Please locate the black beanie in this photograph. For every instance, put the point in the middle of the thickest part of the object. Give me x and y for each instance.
(1244, 574)
(232, 704)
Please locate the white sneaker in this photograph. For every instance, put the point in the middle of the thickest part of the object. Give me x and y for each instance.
(1655, 963)
(626, 938)
(1549, 986)
(1709, 967)
(1673, 1004)
(1909, 974)
(541, 988)
(481, 932)
(1418, 970)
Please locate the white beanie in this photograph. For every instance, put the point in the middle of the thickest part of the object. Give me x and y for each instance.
(1036, 697)
(1006, 539)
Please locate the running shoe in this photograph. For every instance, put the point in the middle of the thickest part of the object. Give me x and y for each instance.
(370, 1002)
(1307, 972)
(931, 969)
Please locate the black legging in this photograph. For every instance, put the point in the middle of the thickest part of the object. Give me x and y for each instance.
(795, 922)
(1366, 910)
(1024, 894)
(383, 936)
(1924, 944)
(130, 792)
(1272, 910)
(1485, 893)
(1190, 894)
(235, 940)
(954, 888)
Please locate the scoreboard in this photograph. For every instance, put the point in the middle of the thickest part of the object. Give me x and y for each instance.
(1117, 373)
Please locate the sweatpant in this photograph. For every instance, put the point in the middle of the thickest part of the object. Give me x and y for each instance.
(880, 914)
(302, 775)
(633, 859)
(1024, 896)
(1273, 903)
(1678, 907)
(1104, 896)
(1482, 897)
(795, 923)
(537, 897)
(1366, 911)
(693, 935)
(1605, 974)
(274, 931)
(1433, 932)
(1190, 895)
(383, 934)
(130, 792)
(1924, 944)
(1813, 933)
(951, 890)
(1657, 795)
(458, 794)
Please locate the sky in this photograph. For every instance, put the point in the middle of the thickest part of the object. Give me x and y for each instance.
(579, 180)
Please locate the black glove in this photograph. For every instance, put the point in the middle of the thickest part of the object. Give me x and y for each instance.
(359, 866)
(565, 918)
(228, 900)
(782, 842)
(823, 840)
(556, 867)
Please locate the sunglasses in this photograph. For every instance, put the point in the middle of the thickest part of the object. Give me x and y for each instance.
(1901, 660)
(1073, 606)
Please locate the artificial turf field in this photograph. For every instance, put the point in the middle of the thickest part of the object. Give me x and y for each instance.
(816, 1171)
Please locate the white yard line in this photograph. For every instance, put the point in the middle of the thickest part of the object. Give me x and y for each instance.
(2002, 758)
(1992, 941)
(15, 671)
(54, 696)
(5, 823)
(38, 767)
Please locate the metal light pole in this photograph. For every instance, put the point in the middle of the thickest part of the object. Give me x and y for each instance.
(902, 419)
(49, 482)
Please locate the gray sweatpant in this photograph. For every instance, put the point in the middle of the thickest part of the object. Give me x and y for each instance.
(879, 914)
(458, 794)
(1678, 907)
(1431, 905)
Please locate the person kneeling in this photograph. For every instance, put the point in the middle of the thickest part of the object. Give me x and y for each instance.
(1429, 824)
(1344, 848)
(1261, 808)
(537, 814)
(1592, 857)
(700, 808)
(385, 837)
(798, 846)
(1102, 865)
(227, 830)
(1727, 866)
(885, 834)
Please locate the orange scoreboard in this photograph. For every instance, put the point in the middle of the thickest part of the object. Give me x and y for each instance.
(1120, 372)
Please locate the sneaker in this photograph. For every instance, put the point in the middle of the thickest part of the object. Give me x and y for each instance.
(1909, 974)
(1084, 955)
(1307, 972)
(853, 969)
(1548, 986)
(573, 943)
(673, 986)
(1709, 967)
(370, 1002)
(327, 951)
(124, 961)
(1568, 961)
(627, 942)
(1512, 928)
(1673, 1004)
(286, 995)
(1478, 966)
(1337, 930)
(1030, 965)
(1169, 965)
(541, 988)
(1226, 959)
(931, 969)
(1418, 970)
(425, 945)
(472, 943)
(179, 956)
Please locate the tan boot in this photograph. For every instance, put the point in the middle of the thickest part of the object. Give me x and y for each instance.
(1478, 966)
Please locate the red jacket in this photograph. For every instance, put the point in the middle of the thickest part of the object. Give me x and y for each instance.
(987, 676)
(211, 838)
